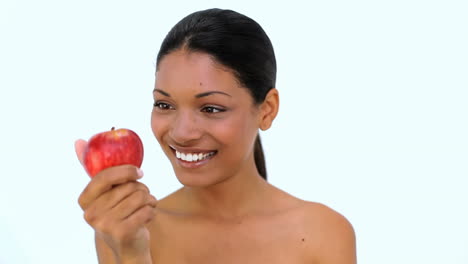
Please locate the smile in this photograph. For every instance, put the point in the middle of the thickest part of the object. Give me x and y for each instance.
(194, 157)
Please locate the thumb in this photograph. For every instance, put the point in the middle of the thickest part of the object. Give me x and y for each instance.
(80, 146)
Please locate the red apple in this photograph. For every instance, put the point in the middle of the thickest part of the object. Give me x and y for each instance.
(112, 148)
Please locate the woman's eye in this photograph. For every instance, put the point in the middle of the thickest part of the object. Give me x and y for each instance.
(212, 109)
(162, 106)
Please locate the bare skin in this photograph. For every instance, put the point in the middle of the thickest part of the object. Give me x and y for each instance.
(283, 230)
(225, 213)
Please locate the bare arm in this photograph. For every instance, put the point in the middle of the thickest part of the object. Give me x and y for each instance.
(341, 243)
(336, 241)
(106, 255)
(118, 216)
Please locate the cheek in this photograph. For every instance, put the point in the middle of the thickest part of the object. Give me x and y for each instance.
(238, 133)
(158, 125)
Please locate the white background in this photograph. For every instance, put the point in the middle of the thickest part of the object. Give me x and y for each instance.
(373, 119)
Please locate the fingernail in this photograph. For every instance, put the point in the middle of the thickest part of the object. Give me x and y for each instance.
(140, 173)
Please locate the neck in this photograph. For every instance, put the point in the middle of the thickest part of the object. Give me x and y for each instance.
(235, 197)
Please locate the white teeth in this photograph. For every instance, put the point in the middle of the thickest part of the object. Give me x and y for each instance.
(193, 157)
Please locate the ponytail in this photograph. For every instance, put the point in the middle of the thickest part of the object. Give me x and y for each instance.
(260, 158)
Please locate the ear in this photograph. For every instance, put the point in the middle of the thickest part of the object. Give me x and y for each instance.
(269, 109)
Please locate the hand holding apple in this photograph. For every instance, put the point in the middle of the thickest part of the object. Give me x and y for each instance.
(118, 208)
(115, 204)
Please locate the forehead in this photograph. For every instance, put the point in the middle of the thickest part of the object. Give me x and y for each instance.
(193, 71)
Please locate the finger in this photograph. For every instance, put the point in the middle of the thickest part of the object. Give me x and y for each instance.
(117, 194)
(140, 217)
(134, 226)
(101, 206)
(105, 180)
(153, 202)
(80, 146)
(131, 204)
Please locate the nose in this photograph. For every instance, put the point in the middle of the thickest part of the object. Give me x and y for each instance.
(185, 128)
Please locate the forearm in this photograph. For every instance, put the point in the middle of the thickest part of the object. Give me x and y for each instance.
(108, 256)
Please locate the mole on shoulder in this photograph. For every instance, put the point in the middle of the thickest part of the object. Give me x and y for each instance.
(303, 239)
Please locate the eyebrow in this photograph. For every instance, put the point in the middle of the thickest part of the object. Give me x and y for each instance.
(161, 92)
(210, 93)
(200, 95)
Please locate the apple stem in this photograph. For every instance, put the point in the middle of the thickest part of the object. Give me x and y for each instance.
(113, 128)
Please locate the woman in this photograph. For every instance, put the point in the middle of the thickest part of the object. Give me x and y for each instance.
(214, 90)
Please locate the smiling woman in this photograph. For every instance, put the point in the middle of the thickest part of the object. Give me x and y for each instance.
(214, 90)
(206, 113)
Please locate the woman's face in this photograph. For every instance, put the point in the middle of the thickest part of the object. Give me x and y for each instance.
(204, 121)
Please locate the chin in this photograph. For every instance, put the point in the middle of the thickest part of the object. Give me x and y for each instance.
(200, 180)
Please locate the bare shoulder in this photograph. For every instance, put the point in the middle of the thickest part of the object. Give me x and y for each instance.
(170, 202)
(334, 236)
(324, 214)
